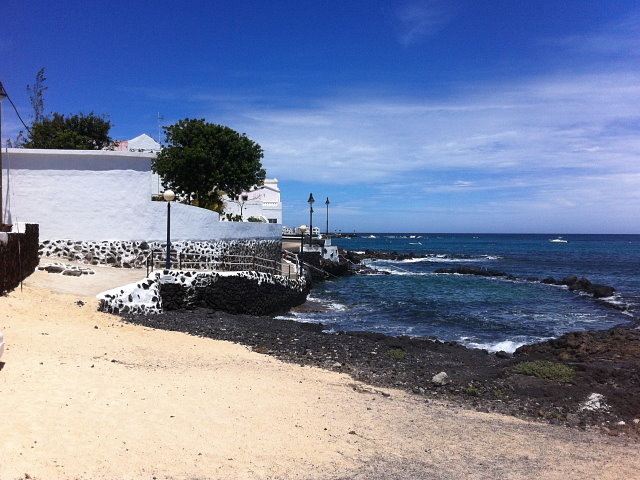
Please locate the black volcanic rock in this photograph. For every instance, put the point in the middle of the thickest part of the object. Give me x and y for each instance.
(473, 270)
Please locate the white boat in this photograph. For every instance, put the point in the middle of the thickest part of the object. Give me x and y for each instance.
(558, 240)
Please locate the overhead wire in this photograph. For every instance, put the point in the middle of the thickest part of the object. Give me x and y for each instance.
(16, 110)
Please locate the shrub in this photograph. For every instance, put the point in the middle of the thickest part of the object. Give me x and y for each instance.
(397, 354)
(499, 394)
(233, 218)
(472, 391)
(544, 369)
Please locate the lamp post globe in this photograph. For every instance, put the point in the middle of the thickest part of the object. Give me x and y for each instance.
(169, 196)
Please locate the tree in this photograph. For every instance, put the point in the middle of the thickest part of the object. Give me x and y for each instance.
(203, 159)
(36, 96)
(75, 132)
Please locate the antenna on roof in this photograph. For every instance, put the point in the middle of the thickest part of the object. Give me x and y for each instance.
(160, 119)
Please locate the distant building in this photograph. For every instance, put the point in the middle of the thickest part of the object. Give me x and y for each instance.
(142, 143)
(296, 231)
(260, 202)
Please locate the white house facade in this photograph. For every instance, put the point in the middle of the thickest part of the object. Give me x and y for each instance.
(260, 202)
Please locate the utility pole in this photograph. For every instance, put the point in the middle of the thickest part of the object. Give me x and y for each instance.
(3, 95)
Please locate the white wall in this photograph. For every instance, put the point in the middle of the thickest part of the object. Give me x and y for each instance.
(103, 195)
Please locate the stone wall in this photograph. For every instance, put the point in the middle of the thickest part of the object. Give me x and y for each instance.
(18, 256)
(250, 293)
(133, 254)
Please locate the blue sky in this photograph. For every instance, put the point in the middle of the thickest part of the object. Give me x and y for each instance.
(411, 116)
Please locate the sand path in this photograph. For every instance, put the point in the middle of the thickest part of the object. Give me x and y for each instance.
(85, 396)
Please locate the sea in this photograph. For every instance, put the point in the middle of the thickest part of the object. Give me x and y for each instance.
(495, 314)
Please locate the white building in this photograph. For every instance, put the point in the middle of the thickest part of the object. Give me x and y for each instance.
(142, 143)
(297, 231)
(260, 202)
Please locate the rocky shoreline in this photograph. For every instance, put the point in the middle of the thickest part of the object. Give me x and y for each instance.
(603, 390)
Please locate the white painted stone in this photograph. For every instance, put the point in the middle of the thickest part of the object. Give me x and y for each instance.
(596, 401)
(440, 378)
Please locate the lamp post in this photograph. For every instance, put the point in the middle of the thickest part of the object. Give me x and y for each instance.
(326, 232)
(303, 228)
(169, 196)
(3, 95)
(310, 201)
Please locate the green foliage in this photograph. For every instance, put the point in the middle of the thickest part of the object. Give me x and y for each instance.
(397, 354)
(472, 391)
(230, 217)
(75, 132)
(255, 219)
(499, 394)
(202, 158)
(547, 370)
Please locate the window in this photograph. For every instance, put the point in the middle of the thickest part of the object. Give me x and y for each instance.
(273, 220)
(245, 198)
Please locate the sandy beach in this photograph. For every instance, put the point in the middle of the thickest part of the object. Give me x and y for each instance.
(87, 396)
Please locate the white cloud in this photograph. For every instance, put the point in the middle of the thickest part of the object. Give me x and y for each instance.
(619, 38)
(421, 18)
(564, 145)
(538, 126)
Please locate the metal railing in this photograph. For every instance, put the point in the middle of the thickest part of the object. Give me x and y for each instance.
(231, 263)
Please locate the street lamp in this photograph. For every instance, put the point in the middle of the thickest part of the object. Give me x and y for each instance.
(3, 95)
(310, 202)
(303, 228)
(168, 196)
(326, 232)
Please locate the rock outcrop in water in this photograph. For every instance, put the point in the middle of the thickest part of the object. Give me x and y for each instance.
(574, 283)
(357, 257)
(473, 270)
